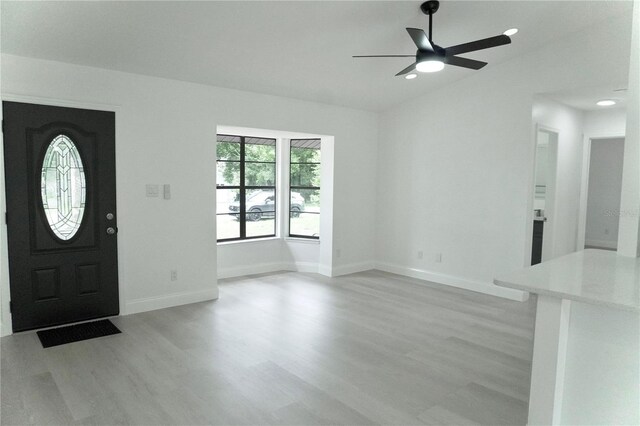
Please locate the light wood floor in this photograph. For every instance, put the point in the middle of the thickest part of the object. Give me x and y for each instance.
(288, 348)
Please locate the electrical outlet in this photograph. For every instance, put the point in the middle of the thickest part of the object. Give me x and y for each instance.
(174, 275)
(438, 257)
(152, 190)
(420, 254)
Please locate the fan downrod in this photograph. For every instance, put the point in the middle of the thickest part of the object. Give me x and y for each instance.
(430, 7)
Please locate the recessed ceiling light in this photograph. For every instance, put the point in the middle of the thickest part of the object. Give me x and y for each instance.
(410, 76)
(606, 102)
(510, 31)
(430, 66)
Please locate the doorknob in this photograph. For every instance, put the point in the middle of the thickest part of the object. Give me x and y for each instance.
(111, 230)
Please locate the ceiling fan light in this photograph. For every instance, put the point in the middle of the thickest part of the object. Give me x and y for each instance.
(510, 31)
(410, 76)
(430, 66)
(606, 102)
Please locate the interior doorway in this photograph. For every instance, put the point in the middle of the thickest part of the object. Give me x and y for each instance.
(544, 201)
(604, 188)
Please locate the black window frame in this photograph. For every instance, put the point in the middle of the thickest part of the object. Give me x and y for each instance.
(300, 187)
(243, 189)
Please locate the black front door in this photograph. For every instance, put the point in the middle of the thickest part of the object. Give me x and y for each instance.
(61, 214)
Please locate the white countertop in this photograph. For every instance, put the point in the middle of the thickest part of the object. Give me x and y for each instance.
(599, 277)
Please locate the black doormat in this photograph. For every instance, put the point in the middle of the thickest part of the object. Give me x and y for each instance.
(76, 333)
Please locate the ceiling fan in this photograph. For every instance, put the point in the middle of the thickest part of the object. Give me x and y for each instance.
(431, 58)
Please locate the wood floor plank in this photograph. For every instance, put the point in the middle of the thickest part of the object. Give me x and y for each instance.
(288, 348)
(482, 405)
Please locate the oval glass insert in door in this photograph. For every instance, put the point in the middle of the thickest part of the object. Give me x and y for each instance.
(63, 187)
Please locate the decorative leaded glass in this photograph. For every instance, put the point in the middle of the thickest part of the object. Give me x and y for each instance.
(63, 187)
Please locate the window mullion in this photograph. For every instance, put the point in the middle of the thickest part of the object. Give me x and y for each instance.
(243, 192)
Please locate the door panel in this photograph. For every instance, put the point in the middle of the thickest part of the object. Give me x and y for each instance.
(63, 267)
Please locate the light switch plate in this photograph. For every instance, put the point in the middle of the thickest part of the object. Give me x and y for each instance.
(152, 190)
(167, 191)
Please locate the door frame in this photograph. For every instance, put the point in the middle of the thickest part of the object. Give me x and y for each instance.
(6, 326)
(584, 184)
(548, 231)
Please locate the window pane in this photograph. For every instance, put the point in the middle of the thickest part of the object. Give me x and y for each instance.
(259, 174)
(228, 213)
(227, 201)
(261, 210)
(260, 150)
(305, 175)
(260, 203)
(264, 227)
(228, 226)
(305, 155)
(228, 173)
(305, 200)
(228, 150)
(305, 224)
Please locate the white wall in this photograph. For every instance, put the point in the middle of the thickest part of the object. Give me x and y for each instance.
(166, 134)
(455, 167)
(273, 254)
(629, 236)
(605, 186)
(605, 122)
(561, 230)
(542, 168)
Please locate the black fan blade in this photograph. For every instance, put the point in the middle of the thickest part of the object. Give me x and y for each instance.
(420, 39)
(464, 62)
(407, 70)
(485, 43)
(383, 56)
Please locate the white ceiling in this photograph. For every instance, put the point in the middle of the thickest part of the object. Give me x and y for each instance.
(298, 49)
(585, 98)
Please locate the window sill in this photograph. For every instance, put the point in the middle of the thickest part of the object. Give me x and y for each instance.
(253, 240)
(302, 240)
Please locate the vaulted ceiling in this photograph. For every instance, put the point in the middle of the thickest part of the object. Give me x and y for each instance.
(299, 49)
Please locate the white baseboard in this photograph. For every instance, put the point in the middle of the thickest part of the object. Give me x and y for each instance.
(453, 281)
(613, 245)
(169, 300)
(257, 268)
(352, 268)
(301, 267)
(324, 270)
(450, 280)
(262, 268)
